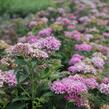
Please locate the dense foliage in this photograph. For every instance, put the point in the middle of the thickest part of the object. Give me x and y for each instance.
(61, 62)
(23, 7)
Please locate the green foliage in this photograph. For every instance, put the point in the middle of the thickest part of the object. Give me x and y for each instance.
(33, 81)
(97, 99)
(24, 7)
(72, 7)
(4, 5)
(34, 76)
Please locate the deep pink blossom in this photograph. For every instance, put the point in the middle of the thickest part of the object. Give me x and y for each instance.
(75, 59)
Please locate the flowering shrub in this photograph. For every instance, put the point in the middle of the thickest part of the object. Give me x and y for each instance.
(61, 63)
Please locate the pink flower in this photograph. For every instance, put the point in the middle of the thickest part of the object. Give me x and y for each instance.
(32, 24)
(91, 83)
(72, 17)
(71, 26)
(11, 78)
(77, 77)
(73, 69)
(31, 39)
(69, 86)
(81, 67)
(76, 87)
(78, 67)
(106, 34)
(45, 32)
(66, 21)
(72, 89)
(21, 49)
(74, 35)
(104, 88)
(61, 11)
(78, 100)
(75, 59)
(51, 43)
(88, 37)
(29, 50)
(98, 62)
(83, 47)
(58, 87)
(105, 80)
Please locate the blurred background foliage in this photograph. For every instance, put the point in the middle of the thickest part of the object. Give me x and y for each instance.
(15, 14)
(24, 6)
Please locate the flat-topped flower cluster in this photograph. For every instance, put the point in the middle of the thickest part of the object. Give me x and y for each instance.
(8, 77)
(66, 53)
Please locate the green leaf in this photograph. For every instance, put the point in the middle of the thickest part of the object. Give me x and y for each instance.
(2, 92)
(21, 76)
(20, 99)
(17, 106)
(54, 107)
(48, 94)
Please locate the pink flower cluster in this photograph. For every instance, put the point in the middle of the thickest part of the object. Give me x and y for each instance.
(65, 21)
(106, 34)
(51, 43)
(80, 64)
(91, 83)
(32, 24)
(76, 58)
(21, 48)
(48, 44)
(88, 37)
(105, 80)
(44, 40)
(104, 86)
(98, 60)
(31, 39)
(74, 35)
(8, 77)
(27, 49)
(83, 47)
(45, 32)
(73, 86)
(68, 22)
(36, 22)
(82, 67)
(37, 48)
(77, 99)
(101, 48)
